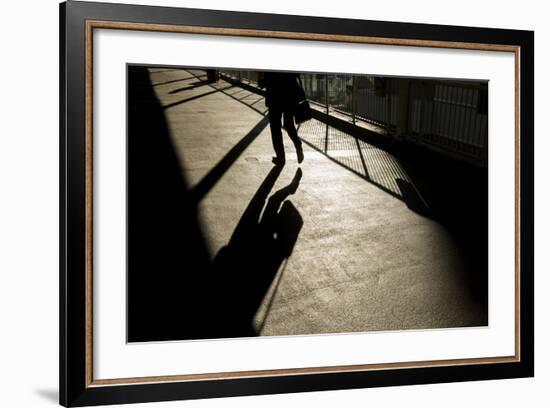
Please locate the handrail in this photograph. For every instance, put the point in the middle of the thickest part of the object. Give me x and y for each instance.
(446, 115)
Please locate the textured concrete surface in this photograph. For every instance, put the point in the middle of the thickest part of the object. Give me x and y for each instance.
(363, 259)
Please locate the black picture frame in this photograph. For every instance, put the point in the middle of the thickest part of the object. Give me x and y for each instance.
(76, 385)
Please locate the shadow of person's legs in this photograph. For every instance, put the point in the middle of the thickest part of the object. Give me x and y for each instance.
(244, 269)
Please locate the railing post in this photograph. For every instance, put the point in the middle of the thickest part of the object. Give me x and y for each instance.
(326, 91)
(403, 111)
(326, 100)
(388, 84)
(422, 85)
(353, 98)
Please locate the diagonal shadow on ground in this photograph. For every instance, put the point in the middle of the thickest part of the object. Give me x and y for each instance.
(208, 181)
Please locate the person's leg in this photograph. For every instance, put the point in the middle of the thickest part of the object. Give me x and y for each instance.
(288, 120)
(276, 135)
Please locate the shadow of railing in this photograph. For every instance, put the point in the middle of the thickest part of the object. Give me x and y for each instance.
(374, 165)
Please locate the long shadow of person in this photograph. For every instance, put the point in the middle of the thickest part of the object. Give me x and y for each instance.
(245, 268)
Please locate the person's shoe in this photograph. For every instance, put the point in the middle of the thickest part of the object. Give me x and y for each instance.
(300, 153)
(278, 161)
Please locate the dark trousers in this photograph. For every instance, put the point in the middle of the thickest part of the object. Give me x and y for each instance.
(275, 115)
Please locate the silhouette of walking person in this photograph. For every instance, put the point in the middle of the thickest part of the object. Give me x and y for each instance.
(281, 99)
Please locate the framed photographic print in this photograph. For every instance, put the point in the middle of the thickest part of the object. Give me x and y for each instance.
(255, 203)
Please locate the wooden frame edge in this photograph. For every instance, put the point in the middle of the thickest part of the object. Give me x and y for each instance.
(89, 206)
(517, 198)
(290, 35)
(231, 375)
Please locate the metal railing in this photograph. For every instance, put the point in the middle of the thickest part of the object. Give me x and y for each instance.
(360, 97)
(450, 116)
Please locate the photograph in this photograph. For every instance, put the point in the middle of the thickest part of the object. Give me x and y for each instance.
(279, 203)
